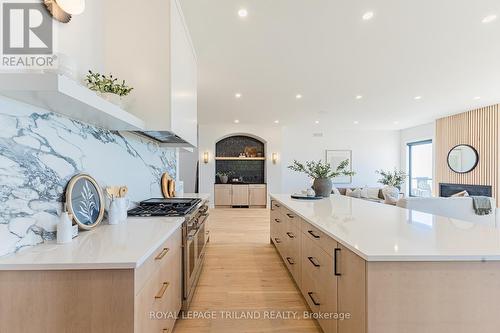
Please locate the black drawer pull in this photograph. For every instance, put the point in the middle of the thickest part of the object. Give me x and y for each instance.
(290, 261)
(313, 234)
(290, 216)
(277, 220)
(277, 240)
(290, 235)
(313, 261)
(335, 261)
(312, 298)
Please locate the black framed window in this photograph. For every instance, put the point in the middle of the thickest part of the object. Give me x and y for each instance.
(420, 156)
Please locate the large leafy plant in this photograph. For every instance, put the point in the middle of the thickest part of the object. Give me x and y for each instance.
(394, 178)
(320, 170)
(106, 84)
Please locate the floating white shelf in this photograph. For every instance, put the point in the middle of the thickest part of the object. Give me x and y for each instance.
(240, 158)
(62, 95)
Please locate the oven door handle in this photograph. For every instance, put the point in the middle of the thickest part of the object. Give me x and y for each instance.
(192, 234)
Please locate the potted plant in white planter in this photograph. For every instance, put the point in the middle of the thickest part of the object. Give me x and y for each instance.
(392, 181)
(322, 173)
(108, 87)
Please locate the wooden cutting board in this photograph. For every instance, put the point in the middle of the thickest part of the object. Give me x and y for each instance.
(165, 185)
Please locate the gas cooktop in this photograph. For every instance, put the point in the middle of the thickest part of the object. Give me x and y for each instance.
(165, 207)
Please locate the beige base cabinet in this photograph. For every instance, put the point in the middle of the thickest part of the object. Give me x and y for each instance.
(96, 301)
(331, 278)
(253, 195)
(257, 195)
(223, 195)
(240, 195)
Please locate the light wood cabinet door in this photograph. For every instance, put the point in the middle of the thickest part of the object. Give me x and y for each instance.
(240, 195)
(351, 290)
(319, 285)
(223, 195)
(257, 195)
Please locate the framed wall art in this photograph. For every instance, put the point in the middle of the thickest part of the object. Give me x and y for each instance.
(334, 157)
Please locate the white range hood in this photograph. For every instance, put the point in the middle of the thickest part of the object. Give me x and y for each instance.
(155, 54)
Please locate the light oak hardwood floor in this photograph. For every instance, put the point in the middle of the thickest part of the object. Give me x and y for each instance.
(243, 274)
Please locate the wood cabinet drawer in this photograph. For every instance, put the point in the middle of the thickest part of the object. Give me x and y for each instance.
(292, 218)
(275, 225)
(275, 206)
(161, 294)
(318, 237)
(318, 278)
(154, 262)
(292, 253)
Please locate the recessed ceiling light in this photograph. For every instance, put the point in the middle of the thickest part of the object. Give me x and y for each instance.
(417, 97)
(489, 19)
(298, 96)
(236, 121)
(395, 122)
(242, 12)
(316, 122)
(276, 121)
(355, 122)
(359, 97)
(368, 16)
(477, 97)
(237, 95)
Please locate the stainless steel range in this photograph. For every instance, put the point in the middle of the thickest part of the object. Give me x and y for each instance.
(194, 235)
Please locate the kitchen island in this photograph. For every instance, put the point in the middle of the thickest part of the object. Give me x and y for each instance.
(380, 268)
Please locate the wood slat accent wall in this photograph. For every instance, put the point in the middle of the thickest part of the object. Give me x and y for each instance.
(480, 129)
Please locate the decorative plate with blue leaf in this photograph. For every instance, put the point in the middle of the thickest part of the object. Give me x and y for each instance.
(85, 201)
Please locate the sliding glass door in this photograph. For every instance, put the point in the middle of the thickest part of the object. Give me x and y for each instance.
(420, 168)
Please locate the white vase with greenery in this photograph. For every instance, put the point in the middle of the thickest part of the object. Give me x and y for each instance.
(322, 173)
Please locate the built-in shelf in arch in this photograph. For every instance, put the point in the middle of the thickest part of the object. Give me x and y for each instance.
(240, 158)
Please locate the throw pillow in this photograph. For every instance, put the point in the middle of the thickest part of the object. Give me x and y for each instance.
(391, 195)
(373, 193)
(461, 194)
(356, 193)
(335, 191)
(364, 193)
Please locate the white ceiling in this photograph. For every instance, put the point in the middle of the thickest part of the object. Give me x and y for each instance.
(324, 50)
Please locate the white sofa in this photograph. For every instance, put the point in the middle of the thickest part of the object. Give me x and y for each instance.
(459, 208)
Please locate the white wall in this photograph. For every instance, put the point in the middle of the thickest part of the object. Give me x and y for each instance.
(82, 39)
(415, 134)
(187, 169)
(210, 134)
(371, 150)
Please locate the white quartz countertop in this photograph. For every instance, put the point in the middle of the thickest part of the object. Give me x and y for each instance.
(123, 246)
(379, 232)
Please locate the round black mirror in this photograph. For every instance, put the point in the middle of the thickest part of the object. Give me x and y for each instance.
(463, 158)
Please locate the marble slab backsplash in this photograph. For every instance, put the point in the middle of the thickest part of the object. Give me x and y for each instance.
(39, 153)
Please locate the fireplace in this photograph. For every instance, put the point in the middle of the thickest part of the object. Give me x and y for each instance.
(447, 190)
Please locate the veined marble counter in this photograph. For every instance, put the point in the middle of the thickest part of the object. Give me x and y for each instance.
(378, 232)
(123, 246)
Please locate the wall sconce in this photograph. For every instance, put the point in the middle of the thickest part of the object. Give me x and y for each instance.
(205, 157)
(275, 158)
